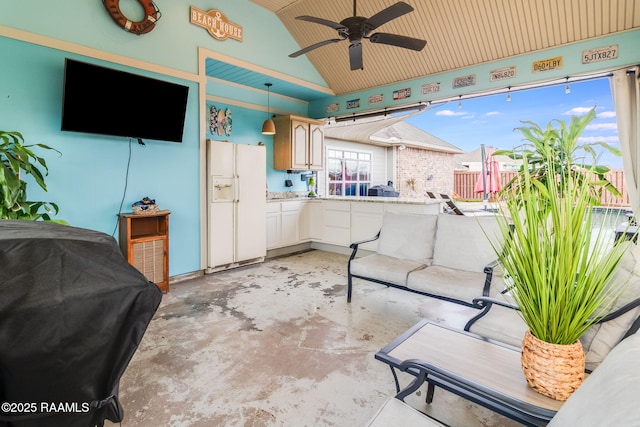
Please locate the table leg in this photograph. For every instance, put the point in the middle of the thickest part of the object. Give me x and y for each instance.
(395, 379)
(430, 390)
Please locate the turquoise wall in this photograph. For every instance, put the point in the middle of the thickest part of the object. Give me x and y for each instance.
(88, 179)
(174, 40)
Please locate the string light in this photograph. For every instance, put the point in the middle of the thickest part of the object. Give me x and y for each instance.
(567, 89)
(509, 94)
(460, 102)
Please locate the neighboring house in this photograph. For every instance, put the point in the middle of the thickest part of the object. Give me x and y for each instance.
(472, 161)
(369, 153)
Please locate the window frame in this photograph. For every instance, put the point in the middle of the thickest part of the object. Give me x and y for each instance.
(358, 186)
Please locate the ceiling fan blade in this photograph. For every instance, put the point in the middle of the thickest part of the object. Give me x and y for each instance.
(321, 21)
(355, 56)
(313, 46)
(398, 40)
(386, 15)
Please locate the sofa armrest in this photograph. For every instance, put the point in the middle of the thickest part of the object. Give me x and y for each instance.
(355, 245)
(489, 270)
(486, 303)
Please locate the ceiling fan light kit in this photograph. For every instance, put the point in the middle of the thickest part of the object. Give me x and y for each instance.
(355, 28)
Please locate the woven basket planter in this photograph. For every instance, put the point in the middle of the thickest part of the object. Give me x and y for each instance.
(553, 370)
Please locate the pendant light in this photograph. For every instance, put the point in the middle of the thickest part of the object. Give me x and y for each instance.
(268, 127)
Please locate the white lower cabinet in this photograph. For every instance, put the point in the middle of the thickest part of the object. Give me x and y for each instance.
(336, 223)
(285, 223)
(274, 225)
(340, 223)
(311, 221)
(290, 222)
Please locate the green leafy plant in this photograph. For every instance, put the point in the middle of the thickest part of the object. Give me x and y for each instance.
(559, 265)
(17, 158)
(555, 151)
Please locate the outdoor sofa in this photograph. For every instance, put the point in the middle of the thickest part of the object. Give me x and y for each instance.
(450, 257)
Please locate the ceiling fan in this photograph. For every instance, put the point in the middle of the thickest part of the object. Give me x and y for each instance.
(355, 28)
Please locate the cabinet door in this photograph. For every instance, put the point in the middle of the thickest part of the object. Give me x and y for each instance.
(316, 147)
(315, 220)
(290, 227)
(300, 144)
(273, 230)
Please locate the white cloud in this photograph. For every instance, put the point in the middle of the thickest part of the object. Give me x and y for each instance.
(577, 111)
(606, 114)
(493, 113)
(450, 113)
(602, 126)
(613, 140)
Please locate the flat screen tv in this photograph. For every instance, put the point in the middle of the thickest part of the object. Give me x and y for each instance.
(105, 101)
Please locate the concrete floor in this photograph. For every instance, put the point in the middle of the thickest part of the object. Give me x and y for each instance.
(276, 344)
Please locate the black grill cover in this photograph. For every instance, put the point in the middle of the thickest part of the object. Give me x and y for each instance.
(72, 314)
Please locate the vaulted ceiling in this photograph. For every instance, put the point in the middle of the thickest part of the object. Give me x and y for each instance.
(459, 33)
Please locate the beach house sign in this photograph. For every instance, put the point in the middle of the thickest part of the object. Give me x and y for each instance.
(216, 23)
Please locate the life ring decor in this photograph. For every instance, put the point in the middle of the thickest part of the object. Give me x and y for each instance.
(151, 12)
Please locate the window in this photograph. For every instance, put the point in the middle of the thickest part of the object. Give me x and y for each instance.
(348, 173)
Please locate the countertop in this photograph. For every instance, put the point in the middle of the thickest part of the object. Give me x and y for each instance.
(402, 200)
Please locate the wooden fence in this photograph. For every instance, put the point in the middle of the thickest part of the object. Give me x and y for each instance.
(464, 186)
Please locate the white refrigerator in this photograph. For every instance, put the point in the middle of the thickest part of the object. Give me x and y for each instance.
(236, 191)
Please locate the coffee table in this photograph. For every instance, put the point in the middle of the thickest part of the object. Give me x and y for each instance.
(480, 370)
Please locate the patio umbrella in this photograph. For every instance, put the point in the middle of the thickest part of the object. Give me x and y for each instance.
(489, 180)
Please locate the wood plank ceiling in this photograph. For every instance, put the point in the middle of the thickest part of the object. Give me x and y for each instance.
(459, 33)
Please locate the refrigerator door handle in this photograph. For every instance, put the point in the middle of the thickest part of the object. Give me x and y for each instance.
(237, 188)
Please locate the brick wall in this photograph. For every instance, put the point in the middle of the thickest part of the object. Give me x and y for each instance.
(419, 171)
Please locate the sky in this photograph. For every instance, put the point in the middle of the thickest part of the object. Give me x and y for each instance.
(491, 120)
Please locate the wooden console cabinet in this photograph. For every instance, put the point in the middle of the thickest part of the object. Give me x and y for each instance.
(144, 241)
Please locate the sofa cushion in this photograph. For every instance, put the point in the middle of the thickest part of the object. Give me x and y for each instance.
(408, 236)
(384, 268)
(608, 397)
(457, 284)
(601, 338)
(464, 242)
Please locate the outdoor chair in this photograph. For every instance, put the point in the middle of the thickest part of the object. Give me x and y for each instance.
(451, 206)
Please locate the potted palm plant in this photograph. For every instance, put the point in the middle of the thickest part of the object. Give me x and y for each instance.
(16, 157)
(558, 263)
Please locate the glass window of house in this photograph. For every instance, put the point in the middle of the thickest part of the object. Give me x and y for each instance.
(348, 173)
